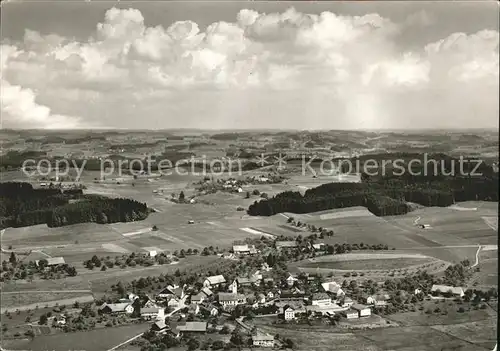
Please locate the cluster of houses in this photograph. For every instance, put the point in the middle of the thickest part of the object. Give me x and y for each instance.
(217, 296)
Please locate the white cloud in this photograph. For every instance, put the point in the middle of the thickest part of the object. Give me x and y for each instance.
(348, 67)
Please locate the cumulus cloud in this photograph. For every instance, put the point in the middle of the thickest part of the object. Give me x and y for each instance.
(331, 71)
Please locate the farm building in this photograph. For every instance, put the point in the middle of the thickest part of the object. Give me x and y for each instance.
(52, 261)
(116, 308)
(207, 292)
(152, 253)
(152, 313)
(287, 296)
(159, 326)
(424, 226)
(288, 313)
(229, 300)
(214, 281)
(445, 289)
(192, 327)
(171, 292)
(325, 310)
(334, 288)
(262, 340)
(319, 299)
(285, 245)
(198, 298)
(211, 309)
(363, 311)
(244, 249)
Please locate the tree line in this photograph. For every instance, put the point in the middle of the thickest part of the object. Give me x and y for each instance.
(384, 195)
(21, 205)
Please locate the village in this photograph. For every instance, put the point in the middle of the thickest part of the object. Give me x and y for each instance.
(257, 285)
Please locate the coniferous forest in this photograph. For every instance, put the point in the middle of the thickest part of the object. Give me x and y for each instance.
(21, 205)
(384, 195)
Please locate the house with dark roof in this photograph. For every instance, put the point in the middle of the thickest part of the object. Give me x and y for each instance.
(230, 300)
(207, 292)
(159, 326)
(116, 308)
(192, 328)
(363, 311)
(198, 298)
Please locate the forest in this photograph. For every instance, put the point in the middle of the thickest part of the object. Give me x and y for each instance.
(22, 205)
(384, 195)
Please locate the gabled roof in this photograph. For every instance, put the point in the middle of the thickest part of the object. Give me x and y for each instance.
(244, 280)
(445, 288)
(207, 291)
(193, 327)
(286, 244)
(150, 310)
(241, 248)
(55, 260)
(358, 306)
(230, 297)
(52, 261)
(262, 337)
(115, 307)
(160, 325)
(380, 297)
(198, 297)
(333, 287)
(216, 279)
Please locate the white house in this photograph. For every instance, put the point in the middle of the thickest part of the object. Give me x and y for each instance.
(319, 299)
(350, 314)
(444, 289)
(263, 340)
(291, 280)
(153, 253)
(288, 313)
(214, 281)
(364, 311)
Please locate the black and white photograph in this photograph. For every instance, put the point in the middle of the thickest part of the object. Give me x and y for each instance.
(249, 175)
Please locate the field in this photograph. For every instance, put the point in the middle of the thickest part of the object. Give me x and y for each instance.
(415, 338)
(95, 340)
(11, 300)
(367, 263)
(375, 265)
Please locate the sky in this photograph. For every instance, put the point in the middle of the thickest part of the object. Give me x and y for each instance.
(243, 65)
